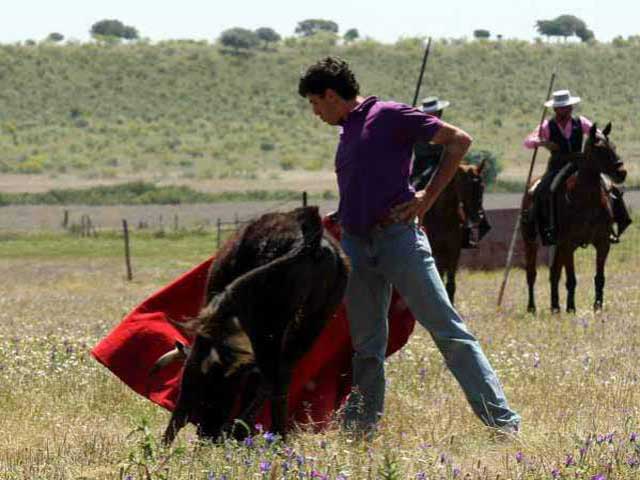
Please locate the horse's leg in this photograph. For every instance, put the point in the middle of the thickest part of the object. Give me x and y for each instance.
(555, 271)
(451, 275)
(602, 251)
(531, 253)
(441, 257)
(571, 283)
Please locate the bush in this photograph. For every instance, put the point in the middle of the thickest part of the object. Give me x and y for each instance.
(492, 167)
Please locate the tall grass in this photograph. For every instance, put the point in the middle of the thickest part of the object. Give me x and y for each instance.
(573, 378)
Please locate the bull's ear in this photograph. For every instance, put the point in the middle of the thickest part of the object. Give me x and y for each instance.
(483, 163)
(593, 132)
(607, 130)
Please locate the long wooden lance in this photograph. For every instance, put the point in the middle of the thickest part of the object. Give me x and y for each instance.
(526, 187)
(424, 64)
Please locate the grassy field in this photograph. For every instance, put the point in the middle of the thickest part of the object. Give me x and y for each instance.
(187, 112)
(574, 379)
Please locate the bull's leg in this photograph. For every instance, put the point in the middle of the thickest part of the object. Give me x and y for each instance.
(531, 251)
(554, 277)
(279, 401)
(253, 401)
(571, 282)
(602, 251)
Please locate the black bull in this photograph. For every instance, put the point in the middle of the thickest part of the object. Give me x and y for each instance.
(270, 291)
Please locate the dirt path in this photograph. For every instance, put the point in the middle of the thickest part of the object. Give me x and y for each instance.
(45, 217)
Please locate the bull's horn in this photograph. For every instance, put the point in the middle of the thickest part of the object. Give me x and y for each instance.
(178, 353)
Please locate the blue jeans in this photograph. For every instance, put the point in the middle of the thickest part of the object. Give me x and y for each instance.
(400, 255)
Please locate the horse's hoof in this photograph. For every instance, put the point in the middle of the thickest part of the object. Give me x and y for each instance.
(597, 307)
(555, 310)
(531, 309)
(571, 309)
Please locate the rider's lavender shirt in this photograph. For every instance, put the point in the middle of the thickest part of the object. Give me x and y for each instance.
(534, 139)
(373, 160)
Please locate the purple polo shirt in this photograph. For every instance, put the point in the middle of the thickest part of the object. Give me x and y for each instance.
(373, 160)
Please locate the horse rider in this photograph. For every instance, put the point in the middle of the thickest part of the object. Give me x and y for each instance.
(563, 136)
(427, 157)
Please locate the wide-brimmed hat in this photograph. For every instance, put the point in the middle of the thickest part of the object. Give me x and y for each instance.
(433, 104)
(561, 98)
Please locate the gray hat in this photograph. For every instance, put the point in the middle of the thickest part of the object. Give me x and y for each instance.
(561, 98)
(433, 104)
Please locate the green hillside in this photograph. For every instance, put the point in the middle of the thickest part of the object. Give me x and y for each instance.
(187, 107)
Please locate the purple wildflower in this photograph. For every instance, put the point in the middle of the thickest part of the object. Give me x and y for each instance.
(599, 476)
(633, 437)
(609, 437)
(600, 439)
(456, 472)
(536, 360)
(421, 476)
(269, 437)
(265, 466)
(443, 458)
(211, 476)
(341, 476)
(248, 442)
(259, 427)
(300, 460)
(632, 462)
(569, 461)
(555, 473)
(583, 451)
(285, 466)
(423, 374)
(519, 457)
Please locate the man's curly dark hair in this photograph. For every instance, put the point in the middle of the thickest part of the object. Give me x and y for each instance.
(330, 72)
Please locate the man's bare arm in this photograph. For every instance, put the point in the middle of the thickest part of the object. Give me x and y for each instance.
(456, 142)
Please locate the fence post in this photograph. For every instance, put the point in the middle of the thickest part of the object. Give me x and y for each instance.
(218, 235)
(175, 222)
(89, 226)
(127, 250)
(65, 220)
(304, 199)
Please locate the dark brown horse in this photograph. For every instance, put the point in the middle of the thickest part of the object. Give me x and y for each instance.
(455, 212)
(584, 218)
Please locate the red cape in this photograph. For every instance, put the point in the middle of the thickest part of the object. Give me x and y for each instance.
(321, 380)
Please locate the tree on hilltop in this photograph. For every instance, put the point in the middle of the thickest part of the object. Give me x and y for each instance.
(268, 35)
(565, 26)
(55, 37)
(308, 27)
(114, 29)
(351, 35)
(239, 38)
(481, 33)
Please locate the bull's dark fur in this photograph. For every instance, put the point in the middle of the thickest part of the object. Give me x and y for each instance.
(270, 292)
